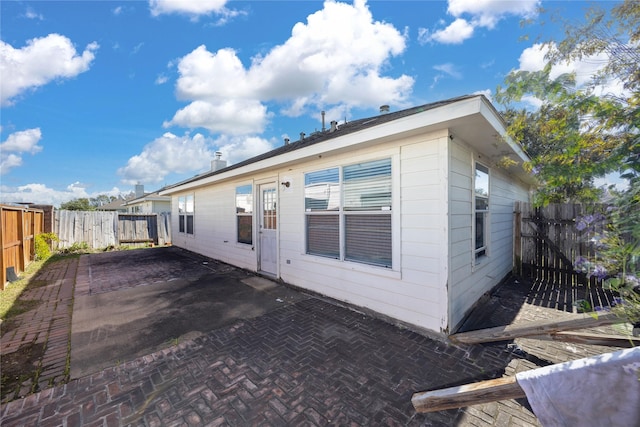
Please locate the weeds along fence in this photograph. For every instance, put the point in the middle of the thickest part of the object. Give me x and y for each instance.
(101, 229)
(18, 228)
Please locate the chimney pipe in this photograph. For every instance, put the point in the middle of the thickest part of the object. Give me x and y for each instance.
(286, 141)
(217, 163)
(139, 190)
(301, 136)
(322, 112)
(334, 126)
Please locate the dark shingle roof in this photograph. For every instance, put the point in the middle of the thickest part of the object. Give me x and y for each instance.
(318, 137)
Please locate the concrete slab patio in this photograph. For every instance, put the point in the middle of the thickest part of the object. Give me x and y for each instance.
(185, 340)
(132, 303)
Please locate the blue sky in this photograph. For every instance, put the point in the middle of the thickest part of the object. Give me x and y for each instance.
(97, 96)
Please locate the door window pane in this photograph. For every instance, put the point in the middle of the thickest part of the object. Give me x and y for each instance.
(269, 213)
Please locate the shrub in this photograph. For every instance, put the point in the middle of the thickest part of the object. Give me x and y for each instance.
(42, 244)
(77, 247)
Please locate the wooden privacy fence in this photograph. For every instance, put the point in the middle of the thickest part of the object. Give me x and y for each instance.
(549, 240)
(101, 229)
(18, 229)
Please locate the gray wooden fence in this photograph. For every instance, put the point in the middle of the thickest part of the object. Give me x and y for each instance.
(100, 229)
(549, 240)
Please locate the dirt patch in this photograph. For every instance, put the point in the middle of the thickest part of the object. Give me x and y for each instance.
(19, 370)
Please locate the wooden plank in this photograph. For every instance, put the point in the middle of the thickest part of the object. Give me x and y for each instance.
(468, 394)
(509, 332)
(591, 339)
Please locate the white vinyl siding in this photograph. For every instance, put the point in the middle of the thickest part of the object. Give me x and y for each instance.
(470, 279)
(433, 280)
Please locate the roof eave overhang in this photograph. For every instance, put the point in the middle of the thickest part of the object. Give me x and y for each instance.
(448, 116)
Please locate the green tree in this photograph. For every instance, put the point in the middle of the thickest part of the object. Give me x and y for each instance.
(578, 134)
(101, 200)
(80, 204)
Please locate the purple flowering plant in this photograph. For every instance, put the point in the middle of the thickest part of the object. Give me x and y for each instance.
(613, 237)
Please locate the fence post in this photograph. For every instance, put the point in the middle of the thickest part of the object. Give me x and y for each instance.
(517, 238)
(3, 262)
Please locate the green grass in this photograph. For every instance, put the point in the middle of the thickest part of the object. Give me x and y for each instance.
(13, 290)
(10, 304)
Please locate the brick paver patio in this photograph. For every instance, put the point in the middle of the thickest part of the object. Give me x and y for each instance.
(312, 362)
(46, 329)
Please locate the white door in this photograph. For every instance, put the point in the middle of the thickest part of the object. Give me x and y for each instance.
(267, 230)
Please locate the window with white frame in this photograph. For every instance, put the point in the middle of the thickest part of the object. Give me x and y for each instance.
(186, 211)
(348, 213)
(244, 214)
(481, 202)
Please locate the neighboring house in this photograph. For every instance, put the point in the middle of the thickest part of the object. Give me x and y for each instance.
(408, 214)
(117, 205)
(148, 203)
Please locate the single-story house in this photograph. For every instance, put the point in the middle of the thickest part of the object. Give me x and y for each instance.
(146, 203)
(116, 205)
(408, 214)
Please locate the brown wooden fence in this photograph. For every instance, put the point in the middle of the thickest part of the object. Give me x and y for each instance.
(549, 240)
(18, 229)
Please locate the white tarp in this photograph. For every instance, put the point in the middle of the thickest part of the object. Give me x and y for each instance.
(597, 391)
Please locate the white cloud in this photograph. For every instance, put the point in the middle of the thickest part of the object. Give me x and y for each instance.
(479, 14)
(193, 8)
(32, 14)
(161, 79)
(23, 141)
(117, 10)
(41, 61)
(487, 13)
(165, 155)
(15, 145)
(335, 58)
(137, 48)
(9, 161)
(41, 194)
(237, 149)
(534, 59)
(448, 69)
(173, 154)
(457, 32)
(230, 116)
(486, 92)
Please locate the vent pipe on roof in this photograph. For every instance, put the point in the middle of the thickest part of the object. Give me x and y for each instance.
(217, 163)
(384, 109)
(286, 141)
(301, 136)
(334, 126)
(323, 128)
